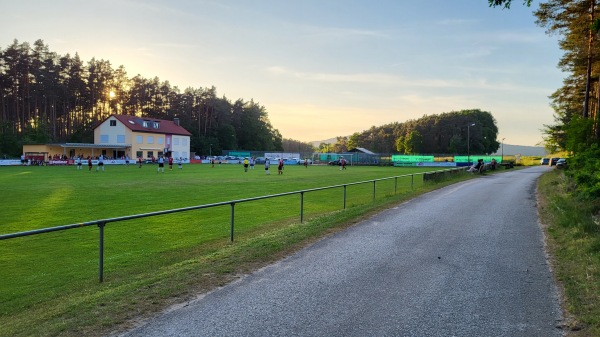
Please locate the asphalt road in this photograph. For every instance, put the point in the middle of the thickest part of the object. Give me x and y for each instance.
(465, 260)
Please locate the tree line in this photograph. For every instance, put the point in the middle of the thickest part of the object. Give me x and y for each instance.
(457, 132)
(576, 104)
(50, 98)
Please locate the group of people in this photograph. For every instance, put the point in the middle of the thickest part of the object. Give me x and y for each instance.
(480, 166)
(100, 166)
(279, 166)
(161, 164)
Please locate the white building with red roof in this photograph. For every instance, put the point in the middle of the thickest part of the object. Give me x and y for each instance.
(144, 137)
(119, 137)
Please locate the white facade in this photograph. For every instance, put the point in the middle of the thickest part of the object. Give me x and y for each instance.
(145, 138)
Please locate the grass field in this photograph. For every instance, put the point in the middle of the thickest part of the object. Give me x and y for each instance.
(49, 282)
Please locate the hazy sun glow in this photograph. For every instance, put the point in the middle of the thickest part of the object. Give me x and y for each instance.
(111, 94)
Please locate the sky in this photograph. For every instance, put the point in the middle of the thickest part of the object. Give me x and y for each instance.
(321, 68)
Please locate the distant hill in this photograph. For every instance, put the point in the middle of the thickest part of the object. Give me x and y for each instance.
(510, 150)
(530, 151)
(316, 143)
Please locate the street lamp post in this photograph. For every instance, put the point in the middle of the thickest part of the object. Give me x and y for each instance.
(469, 143)
(502, 153)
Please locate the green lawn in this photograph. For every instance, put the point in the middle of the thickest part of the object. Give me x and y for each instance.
(49, 282)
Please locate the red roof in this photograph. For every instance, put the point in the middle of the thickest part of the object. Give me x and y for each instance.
(137, 124)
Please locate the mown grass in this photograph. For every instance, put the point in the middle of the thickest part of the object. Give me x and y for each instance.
(573, 234)
(49, 282)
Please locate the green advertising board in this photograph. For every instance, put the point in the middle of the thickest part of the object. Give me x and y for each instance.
(239, 154)
(412, 159)
(475, 157)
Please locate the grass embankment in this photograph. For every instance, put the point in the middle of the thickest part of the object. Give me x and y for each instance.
(573, 234)
(49, 282)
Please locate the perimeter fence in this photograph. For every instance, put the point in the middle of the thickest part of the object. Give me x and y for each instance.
(427, 176)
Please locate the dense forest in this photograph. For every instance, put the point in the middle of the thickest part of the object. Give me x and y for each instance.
(446, 133)
(51, 98)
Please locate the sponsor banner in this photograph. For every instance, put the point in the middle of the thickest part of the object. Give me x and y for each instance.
(10, 162)
(438, 164)
(412, 159)
(435, 164)
(404, 164)
(284, 156)
(475, 157)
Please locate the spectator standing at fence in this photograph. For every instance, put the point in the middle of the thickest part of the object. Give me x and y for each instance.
(23, 160)
(127, 160)
(180, 162)
(161, 164)
(100, 163)
(267, 164)
(252, 163)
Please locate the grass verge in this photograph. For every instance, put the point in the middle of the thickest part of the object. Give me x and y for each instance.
(573, 239)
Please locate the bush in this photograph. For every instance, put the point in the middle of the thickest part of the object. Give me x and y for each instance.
(585, 170)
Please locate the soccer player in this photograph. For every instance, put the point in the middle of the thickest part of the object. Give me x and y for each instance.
(161, 164)
(267, 164)
(100, 163)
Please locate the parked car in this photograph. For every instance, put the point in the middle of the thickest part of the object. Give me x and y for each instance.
(561, 163)
(334, 162)
(544, 161)
(553, 161)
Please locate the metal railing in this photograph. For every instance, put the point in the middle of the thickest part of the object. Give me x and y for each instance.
(103, 222)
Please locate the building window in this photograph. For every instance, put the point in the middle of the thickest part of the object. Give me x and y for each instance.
(175, 141)
(150, 154)
(103, 139)
(156, 125)
(121, 139)
(184, 141)
(139, 139)
(113, 122)
(159, 140)
(139, 154)
(145, 124)
(150, 139)
(160, 153)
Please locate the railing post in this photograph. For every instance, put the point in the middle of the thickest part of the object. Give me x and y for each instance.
(301, 206)
(232, 221)
(374, 189)
(412, 181)
(395, 184)
(101, 253)
(344, 196)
